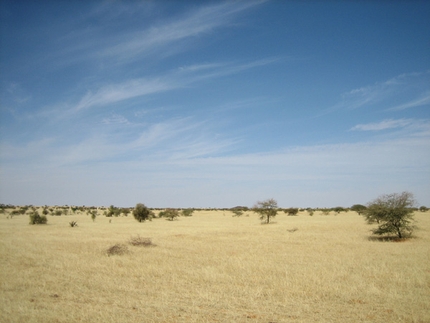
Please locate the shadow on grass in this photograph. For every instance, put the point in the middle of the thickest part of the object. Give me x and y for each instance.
(388, 239)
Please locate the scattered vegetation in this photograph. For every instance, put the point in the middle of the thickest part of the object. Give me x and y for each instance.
(339, 209)
(325, 211)
(237, 212)
(113, 211)
(393, 213)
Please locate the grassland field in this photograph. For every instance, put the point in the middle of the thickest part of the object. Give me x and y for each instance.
(212, 267)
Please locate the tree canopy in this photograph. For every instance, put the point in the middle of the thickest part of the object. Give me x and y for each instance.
(266, 209)
(393, 213)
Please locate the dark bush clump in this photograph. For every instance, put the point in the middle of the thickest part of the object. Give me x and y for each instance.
(291, 211)
(117, 249)
(141, 213)
(36, 218)
(187, 212)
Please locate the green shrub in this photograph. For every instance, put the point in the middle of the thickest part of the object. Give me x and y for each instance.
(36, 218)
(187, 212)
(58, 212)
(170, 214)
(93, 215)
(339, 209)
(291, 211)
(141, 213)
(237, 212)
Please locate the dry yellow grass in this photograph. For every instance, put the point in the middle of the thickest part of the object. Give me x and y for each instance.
(212, 267)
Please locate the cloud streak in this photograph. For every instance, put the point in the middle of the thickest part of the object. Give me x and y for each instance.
(201, 21)
(179, 78)
(412, 85)
(383, 125)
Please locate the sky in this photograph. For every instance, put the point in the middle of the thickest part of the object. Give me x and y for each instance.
(213, 104)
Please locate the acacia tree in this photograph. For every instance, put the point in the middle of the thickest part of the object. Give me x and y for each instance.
(393, 213)
(266, 209)
(170, 214)
(358, 208)
(141, 213)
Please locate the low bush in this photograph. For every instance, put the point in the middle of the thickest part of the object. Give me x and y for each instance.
(36, 218)
(291, 211)
(117, 249)
(187, 212)
(141, 241)
(237, 212)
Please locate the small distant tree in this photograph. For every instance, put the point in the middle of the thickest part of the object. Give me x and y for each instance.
(141, 213)
(325, 211)
(358, 208)
(36, 218)
(291, 211)
(113, 211)
(423, 208)
(393, 213)
(93, 214)
(266, 209)
(187, 212)
(125, 211)
(170, 214)
(339, 209)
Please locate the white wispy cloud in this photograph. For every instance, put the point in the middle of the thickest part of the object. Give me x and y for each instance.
(424, 100)
(115, 119)
(106, 47)
(411, 88)
(201, 21)
(383, 125)
(178, 78)
(113, 93)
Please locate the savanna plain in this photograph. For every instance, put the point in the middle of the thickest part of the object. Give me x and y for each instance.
(212, 267)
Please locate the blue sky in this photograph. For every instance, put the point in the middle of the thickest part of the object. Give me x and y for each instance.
(214, 104)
